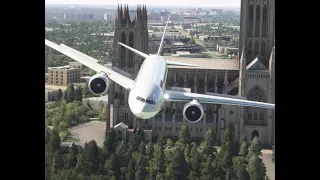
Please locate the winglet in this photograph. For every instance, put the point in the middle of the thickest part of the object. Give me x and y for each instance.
(165, 29)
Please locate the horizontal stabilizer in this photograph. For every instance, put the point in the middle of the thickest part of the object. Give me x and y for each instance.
(172, 63)
(134, 50)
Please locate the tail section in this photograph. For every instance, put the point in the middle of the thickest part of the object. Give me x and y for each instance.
(161, 43)
(134, 50)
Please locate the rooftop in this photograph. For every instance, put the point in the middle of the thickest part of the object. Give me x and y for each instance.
(205, 63)
(101, 98)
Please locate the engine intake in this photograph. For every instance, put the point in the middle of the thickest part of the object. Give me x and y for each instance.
(193, 111)
(98, 84)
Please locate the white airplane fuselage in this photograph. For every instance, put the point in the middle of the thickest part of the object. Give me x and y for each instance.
(146, 96)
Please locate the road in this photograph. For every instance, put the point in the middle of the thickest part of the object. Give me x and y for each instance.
(93, 130)
(270, 166)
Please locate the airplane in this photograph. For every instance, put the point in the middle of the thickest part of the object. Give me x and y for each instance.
(147, 93)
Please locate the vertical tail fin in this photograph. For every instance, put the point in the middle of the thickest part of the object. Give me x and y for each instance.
(161, 43)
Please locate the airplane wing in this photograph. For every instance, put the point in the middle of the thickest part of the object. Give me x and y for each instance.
(92, 64)
(203, 98)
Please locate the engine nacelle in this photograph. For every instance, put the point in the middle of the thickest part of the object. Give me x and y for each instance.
(98, 84)
(193, 111)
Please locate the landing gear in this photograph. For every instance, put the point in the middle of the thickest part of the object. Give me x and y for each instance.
(138, 128)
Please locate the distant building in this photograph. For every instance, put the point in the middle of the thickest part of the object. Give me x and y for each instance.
(75, 65)
(62, 76)
(50, 95)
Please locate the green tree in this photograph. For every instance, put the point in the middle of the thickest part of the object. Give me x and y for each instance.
(110, 142)
(70, 92)
(47, 135)
(195, 163)
(254, 148)
(191, 41)
(142, 148)
(141, 172)
(54, 142)
(239, 168)
(149, 150)
(178, 165)
(274, 154)
(207, 146)
(256, 168)
(65, 96)
(169, 143)
(243, 146)
(207, 172)
(59, 95)
(112, 166)
(161, 141)
(157, 164)
(92, 156)
(184, 136)
(72, 156)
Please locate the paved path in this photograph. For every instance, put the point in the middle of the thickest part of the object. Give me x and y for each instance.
(93, 130)
(270, 166)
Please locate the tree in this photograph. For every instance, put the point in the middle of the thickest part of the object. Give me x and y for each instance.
(112, 166)
(92, 156)
(243, 146)
(207, 169)
(54, 142)
(47, 135)
(209, 142)
(170, 143)
(109, 144)
(178, 168)
(274, 154)
(161, 141)
(149, 150)
(195, 163)
(59, 95)
(141, 172)
(70, 92)
(142, 148)
(157, 164)
(184, 136)
(78, 94)
(191, 41)
(239, 168)
(256, 168)
(254, 148)
(72, 156)
(65, 96)
(85, 90)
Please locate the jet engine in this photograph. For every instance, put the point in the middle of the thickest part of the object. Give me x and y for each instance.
(98, 84)
(193, 111)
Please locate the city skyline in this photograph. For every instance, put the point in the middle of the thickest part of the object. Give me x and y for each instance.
(181, 3)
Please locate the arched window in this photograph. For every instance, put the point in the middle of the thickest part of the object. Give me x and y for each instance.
(250, 24)
(261, 116)
(264, 21)
(249, 116)
(250, 48)
(123, 50)
(263, 48)
(130, 52)
(255, 116)
(257, 21)
(256, 48)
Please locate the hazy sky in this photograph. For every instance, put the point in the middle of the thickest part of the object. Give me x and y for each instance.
(195, 3)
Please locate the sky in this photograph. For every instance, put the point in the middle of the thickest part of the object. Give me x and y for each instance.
(191, 3)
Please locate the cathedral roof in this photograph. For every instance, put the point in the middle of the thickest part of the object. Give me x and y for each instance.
(123, 125)
(205, 63)
(256, 65)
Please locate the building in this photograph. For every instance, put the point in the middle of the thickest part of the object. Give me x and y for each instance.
(62, 76)
(75, 65)
(249, 78)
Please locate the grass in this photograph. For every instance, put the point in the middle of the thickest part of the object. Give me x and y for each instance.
(71, 139)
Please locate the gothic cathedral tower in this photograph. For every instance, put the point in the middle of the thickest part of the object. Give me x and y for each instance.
(257, 29)
(134, 33)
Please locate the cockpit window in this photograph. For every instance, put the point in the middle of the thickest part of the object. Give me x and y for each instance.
(144, 100)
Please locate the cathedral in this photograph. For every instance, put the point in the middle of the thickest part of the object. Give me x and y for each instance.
(251, 76)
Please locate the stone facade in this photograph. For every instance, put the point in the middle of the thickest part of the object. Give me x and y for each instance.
(252, 78)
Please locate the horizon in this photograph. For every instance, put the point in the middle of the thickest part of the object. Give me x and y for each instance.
(164, 3)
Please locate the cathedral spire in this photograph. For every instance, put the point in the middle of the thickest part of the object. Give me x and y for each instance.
(226, 82)
(243, 62)
(272, 58)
